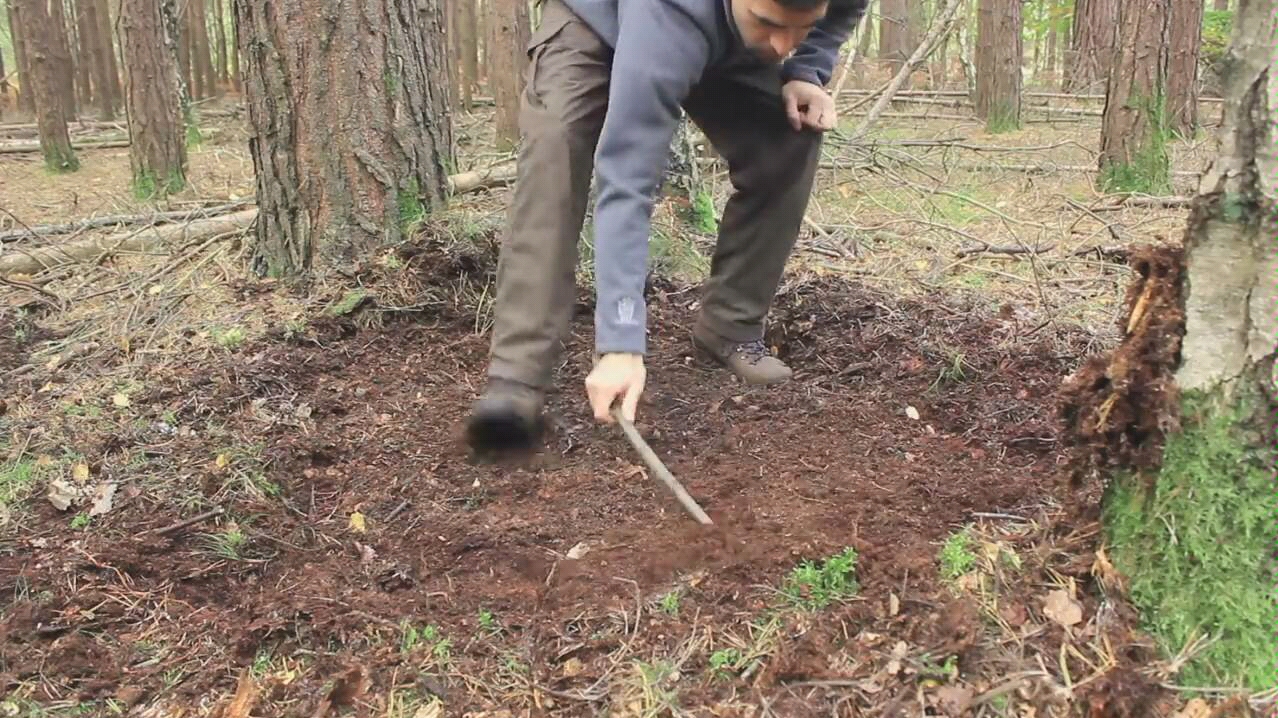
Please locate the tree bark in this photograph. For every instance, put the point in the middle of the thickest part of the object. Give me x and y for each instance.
(508, 36)
(999, 53)
(1088, 61)
(1186, 32)
(1220, 5)
(1133, 151)
(46, 87)
(18, 31)
(4, 85)
(157, 149)
(350, 134)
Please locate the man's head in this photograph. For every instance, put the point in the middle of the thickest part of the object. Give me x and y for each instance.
(772, 29)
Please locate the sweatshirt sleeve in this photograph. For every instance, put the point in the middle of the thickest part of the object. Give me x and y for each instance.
(660, 53)
(814, 59)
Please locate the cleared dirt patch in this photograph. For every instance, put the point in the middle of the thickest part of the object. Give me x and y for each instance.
(361, 557)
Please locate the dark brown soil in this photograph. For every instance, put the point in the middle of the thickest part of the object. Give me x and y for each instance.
(367, 422)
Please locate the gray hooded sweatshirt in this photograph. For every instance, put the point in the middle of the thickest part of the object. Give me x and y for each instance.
(661, 49)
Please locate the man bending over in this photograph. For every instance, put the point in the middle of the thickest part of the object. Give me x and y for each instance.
(602, 93)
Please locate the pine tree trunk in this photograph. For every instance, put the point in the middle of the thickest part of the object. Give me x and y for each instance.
(174, 31)
(66, 71)
(82, 52)
(108, 46)
(998, 64)
(103, 83)
(219, 34)
(1133, 150)
(345, 161)
(1186, 30)
(1220, 5)
(48, 89)
(234, 49)
(203, 58)
(894, 34)
(508, 36)
(1191, 520)
(183, 36)
(157, 149)
(18, 31)
(1088, 61)
(470, 50)
(867, 33)
(4, 86)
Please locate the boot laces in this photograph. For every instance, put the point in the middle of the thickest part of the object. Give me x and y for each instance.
(753, 351)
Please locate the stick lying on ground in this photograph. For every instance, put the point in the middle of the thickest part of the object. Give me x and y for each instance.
(186, 215)
(655, 466)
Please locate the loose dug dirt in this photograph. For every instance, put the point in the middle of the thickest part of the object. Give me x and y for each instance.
(356, 533)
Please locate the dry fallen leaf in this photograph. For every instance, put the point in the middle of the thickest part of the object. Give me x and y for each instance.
(357, 523)
(80, 472)
(573, 667)
(1196, 708)
(1063, 609)
(894, 605)
(576, 552)
(245, 698)
(120, 399)
(954, 700)
(102, 498)
(912, 413)
(62, 494)
(222, 460)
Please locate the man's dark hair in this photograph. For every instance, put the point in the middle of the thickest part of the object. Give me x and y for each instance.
(855, 8)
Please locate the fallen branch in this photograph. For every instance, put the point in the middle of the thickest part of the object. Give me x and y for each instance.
(141, 240)
(30, 147)
(939, 29)
(1149, 200)
(20, 261)
(482, 179)
(1002, 249)
(46, 230)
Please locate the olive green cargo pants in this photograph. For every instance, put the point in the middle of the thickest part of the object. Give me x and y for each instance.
(771, 167)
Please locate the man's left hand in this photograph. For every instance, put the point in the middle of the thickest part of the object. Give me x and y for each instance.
(808, 105)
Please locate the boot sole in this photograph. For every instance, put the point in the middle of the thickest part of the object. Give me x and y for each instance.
(502, 432)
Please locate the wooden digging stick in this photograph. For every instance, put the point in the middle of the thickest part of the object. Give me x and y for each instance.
(658, 468)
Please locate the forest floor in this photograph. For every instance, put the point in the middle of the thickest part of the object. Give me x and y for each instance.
(222, 498)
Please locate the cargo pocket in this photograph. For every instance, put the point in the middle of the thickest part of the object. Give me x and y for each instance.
(554, 18)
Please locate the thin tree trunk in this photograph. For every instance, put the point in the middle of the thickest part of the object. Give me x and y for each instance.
(18, 31)
(1186, 30)
(182, 16)
(508, 36)
(999, 54)
(48, 90)
(867, 33)
(234, 49)
(81, 44)
(174, 29)
(469, 50)
(1091, 53)
(96, 58)
(219, 34)
(65, 66)
(108, 46)
(203, 46)
(1049, 69)
(4, 85)
(157, 149)
(1133, 151)
(1220, 5)
(894, 33)
(345, 161)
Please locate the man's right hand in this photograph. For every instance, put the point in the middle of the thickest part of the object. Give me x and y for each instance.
(616, 375)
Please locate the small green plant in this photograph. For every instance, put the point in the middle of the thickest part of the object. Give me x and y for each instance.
(951, 373)
(488, 622)
(228, 543)
(957, 555)
(814, 586)
(16, 482)
(429, 636)
(229, 338)
(348, 303)
(670, 603)
(724, 661)
(80, 521)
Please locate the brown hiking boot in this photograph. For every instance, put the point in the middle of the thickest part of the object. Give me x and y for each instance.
(507, 416)
(749, 360)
